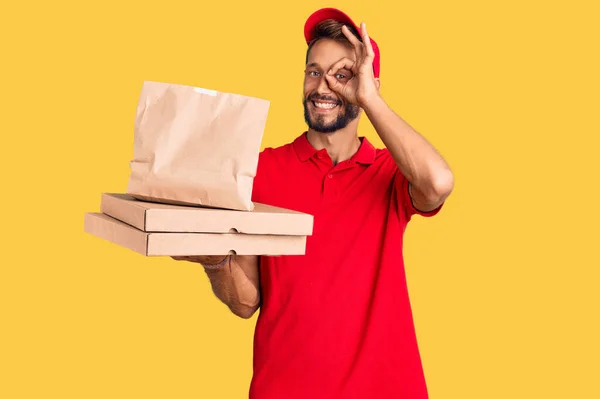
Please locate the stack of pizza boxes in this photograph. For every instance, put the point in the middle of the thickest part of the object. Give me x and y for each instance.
(156, 229)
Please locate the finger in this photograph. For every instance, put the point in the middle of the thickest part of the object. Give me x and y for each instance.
(186, 258)
(358, 47)
(199, 258)
(334, 84)
(212, 260)
(344, 63)
(366, 40)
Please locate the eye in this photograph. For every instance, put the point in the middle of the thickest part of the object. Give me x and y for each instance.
(340, 76)
(313, 73)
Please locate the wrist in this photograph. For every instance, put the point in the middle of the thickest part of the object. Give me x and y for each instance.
(372, 102)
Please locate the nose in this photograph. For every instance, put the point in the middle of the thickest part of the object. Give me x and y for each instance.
(323, 87)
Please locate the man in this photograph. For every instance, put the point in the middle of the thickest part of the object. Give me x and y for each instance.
(337, 322)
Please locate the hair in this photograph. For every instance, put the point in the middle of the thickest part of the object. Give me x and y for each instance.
(332, 30)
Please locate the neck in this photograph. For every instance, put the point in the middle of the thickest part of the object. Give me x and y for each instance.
(340, 145)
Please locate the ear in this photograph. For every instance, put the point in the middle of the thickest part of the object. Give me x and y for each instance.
(377, 83)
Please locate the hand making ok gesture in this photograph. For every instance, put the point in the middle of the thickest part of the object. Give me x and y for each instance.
(360, 86)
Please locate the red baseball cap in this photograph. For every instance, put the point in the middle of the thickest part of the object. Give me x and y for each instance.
(335, 14)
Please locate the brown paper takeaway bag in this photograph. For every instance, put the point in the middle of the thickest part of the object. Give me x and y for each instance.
(194, 146)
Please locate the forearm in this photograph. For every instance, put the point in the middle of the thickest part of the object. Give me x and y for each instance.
(232, 285)
(416, 158)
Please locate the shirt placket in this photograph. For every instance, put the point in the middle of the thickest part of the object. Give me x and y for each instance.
(332, 181)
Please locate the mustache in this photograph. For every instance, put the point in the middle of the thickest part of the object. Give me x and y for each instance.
(318, 98)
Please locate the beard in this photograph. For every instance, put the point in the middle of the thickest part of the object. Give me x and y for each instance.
(346, 114)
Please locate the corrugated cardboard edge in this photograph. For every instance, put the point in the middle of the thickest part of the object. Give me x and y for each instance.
(126, 211)
(116, 232)
(159, 220)
(189, 244)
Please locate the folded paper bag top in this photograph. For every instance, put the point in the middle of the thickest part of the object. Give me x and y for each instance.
(196, 146)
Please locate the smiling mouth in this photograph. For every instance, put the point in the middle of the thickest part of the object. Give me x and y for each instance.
(324, 105)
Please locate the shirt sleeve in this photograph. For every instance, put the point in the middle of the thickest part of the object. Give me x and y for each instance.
(405, 203)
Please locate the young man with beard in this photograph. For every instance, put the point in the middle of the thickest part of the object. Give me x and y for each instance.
(337, 322)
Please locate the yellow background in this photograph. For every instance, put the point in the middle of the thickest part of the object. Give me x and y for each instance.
(504, 282)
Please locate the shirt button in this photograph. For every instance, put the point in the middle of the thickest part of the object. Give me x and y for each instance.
(330, 176)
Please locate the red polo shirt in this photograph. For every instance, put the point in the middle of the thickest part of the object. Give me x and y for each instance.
(337, 322)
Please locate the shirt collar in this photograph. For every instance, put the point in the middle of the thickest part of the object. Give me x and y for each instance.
(305, 150)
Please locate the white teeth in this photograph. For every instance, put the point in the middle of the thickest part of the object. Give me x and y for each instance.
(325, 105)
